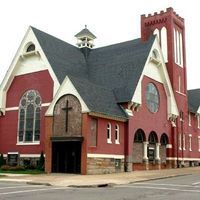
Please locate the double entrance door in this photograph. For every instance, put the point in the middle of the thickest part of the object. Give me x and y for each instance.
(66, 157)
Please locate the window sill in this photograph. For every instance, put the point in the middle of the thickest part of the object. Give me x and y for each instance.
(117, 142)
(109, 142)
(27, 143)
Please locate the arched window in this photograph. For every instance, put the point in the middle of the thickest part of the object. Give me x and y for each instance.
(153, 139)
(164, 43)
(139, 136)
(30, 48)
(109, 140)
(29, 117)
(164, 139)
(116, 134)
(152, 98)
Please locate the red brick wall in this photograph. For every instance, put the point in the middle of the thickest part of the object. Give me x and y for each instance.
(102, 146)
(148, 121)
(40, 81)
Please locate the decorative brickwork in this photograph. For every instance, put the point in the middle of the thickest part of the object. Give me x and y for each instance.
(73, 121)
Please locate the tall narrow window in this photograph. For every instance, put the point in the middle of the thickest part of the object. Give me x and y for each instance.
(29, 117)
(199, 142)
(190, 142)
(116, 134)
(181, 50)
(179, 83)
(109, 140)
(175, 47)
(183, 141)
(180, 141)
(157, 32)
(164, 43)
(198, 121)
(93, 133)
(189, 119)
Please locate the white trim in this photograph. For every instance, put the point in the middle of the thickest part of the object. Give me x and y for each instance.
(30, 155)
(169, 146)
(66, 87)
(17, 107)
(159, 73)
(180, 93)
(13, 153)
(183, 159)
(23, 155)
(17, 64)
(27, 143)
(45, 104)
(93, 155)
(12, 108)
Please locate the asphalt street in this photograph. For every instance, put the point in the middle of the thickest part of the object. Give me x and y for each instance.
(182, 187)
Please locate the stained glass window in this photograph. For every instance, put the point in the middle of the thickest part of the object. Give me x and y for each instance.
(152, 98)
(29, 117)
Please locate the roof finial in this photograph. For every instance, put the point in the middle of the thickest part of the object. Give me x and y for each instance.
(85, 26)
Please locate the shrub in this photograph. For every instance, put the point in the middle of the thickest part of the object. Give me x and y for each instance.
(41, 162)
(12, 168)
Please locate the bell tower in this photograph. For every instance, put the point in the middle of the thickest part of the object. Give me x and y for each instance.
(170, 30)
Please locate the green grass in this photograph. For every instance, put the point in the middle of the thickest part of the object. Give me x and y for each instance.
(27, 171)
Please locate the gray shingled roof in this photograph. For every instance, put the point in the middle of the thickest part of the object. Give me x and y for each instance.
(194, 100)
(98, 99)
(109, 75)
(84, 33)
(64, 58)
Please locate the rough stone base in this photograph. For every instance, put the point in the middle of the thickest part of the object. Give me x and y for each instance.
(104, 165)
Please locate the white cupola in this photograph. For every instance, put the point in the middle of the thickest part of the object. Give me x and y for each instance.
(85, 38)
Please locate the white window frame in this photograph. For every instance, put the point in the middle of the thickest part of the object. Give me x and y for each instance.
(180, 141)
(190, 142)
(189, 119)
(198, 121)
(23, 142)
(199, 142)
(184, 142)
(109, 133)
(117, 134)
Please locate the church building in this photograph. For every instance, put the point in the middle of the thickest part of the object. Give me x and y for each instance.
(117, 108)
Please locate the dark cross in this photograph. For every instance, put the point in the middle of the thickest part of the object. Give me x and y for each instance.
(67, 112)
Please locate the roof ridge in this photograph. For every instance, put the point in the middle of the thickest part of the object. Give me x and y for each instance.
(61, 40)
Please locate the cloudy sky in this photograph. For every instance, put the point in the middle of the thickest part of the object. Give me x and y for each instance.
(112, 21)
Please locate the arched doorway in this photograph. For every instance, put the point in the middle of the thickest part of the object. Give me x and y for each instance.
(163, 149)
(153, 140)
(67, 135)
(138, 149)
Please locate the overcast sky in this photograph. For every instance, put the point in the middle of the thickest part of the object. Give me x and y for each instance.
(112, 21)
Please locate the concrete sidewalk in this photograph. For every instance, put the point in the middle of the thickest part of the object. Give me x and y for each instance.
(99, 180)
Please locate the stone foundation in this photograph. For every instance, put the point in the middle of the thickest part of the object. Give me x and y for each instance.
(104, 165)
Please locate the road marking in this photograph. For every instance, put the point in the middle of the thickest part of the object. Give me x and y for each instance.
(21, 186)
(197, 183)
(26, 191)
(166, 184)
(160, 188)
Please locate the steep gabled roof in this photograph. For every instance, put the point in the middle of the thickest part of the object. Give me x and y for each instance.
(194, 100)
(98, 99)
(64, 58)
(108, 76)
(119, 67)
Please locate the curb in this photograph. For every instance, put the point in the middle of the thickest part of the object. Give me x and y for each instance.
(38, 183)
